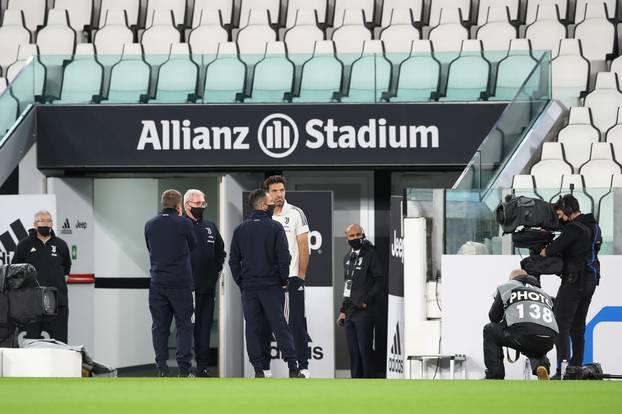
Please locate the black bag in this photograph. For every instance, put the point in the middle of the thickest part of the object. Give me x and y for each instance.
(527, 212)
(538, 265)
(532, 239)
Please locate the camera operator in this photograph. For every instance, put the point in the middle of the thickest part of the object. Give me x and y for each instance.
(578, 245)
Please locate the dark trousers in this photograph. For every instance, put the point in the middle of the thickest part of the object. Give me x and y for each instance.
(571, 305)
(359, 328)
(163, 305)
(203, 319)
(533, 346)
(266, 305)
(55, 326)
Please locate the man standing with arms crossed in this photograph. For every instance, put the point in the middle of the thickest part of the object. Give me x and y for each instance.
(296, 229)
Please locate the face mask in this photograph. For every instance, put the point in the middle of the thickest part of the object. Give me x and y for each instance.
(356, 244)
(197, 212)
(270, 210)
(44, 230)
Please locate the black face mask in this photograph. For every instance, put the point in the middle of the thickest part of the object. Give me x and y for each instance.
(356, 244)
(270, 210)
(197, 212)
(44, 230)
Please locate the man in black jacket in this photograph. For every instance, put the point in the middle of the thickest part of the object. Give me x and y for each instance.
(170, 239)
(50, 256)
(578, 245)
(207, 260)
(259, 265)
(363, 282)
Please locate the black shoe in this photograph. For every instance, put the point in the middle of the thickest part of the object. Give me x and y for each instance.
(186, 374)
(557, 376)
(163, 373)
(295, 373)
(259, 373)
(203, 373)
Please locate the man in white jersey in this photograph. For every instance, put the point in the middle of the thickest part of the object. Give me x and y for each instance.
(296, 228)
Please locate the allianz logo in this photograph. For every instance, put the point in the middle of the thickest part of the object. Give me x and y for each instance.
(397, 246)
(278, 136)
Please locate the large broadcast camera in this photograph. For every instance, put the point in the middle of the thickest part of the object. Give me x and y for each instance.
(22, 301)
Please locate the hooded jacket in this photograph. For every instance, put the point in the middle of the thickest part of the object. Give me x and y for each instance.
(365, 271)
(208, 257)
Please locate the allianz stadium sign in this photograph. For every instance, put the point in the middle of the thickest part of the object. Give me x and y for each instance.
(156, 137)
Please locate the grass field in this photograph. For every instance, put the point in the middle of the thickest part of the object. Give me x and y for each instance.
(172, 395)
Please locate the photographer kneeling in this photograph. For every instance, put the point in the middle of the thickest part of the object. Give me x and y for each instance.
(521, 317)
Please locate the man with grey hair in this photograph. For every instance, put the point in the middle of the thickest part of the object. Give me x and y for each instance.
(50, 256)
(207, 260)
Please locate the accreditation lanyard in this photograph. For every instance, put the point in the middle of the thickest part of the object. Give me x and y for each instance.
(347, 288)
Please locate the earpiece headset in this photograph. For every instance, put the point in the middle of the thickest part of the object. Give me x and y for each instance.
(566, 209)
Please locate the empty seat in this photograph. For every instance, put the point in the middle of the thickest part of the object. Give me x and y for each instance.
(206, 36)
(159, 36)
(534, 5)
(606, 214)
(596, 32)
(131, 8)
(300, 39)
(3, 85)
(419, 75)
(604, 101)
(115, 33)
(27, 78)
(514, 71)
(252, 39)
(468, 75)
(273, 77)
(350, 36)
(546, 31)
(56, 39)
(342, 5)
(398, 37)
(438, 5)
(225, 7)
(576, 182)
(178, 7)
(510, 5)
(82, 77)
(12, 35)
(524, 185)
(177, 77)
(496, 32)
(79, 11)
(578, 137)
(447, 37)
(321, 75)
(552, 165)
(570, 72)
(371, 75)
(8, 111)
(614, 137)
(415, 6)
(34, 12)
(601, 166)
(293, 6)
(225, 76)
(581, 7)
(273, 7)
(130, 77)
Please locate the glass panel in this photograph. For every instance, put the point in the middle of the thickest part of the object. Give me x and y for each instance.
(18, 95)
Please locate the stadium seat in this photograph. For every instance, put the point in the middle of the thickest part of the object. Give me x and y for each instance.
(80, 12)
(415, 6)
(224, 77)
(448, 36)
(533, 6)
(34, 12)
(606, 214)
(56, 40)
(578, 136)
(224, 6)
(294, 6)
(552, 165)
(398, 37)
(370, 78)
(321, 75)
(159, 36)
(604, 101)
(273, 77)
(570, 72)
(252, 39)
(342, 5)
(601, 166)
(496, 32)
(513, 71)
(131, 8)
(13, 33)
(273, 7)
(29, 83)
(525, 185)
(581, 5)
(510, 5)
(469, 75)
(301, 37)
(115, 33)
(576, 182)
(419, 75)
(129, 79)
(351, 35)
(3, 85)
(614, 136)
(438, 6)
(8, 108)
(177, 77)
(82, 77)
(596, 32)
(206, 36)
(546, 31)
(178, 7)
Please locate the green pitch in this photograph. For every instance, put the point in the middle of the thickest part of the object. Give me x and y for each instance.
(274, 396)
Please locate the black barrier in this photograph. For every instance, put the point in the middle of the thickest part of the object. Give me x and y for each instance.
(159, 137)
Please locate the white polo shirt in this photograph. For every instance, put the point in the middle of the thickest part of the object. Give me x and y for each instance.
(295, 223)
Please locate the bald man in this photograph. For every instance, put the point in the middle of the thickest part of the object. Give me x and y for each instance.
(363, 282)
(521, 318)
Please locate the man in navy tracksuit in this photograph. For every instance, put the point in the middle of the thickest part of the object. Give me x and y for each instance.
(259, 265)
(207, 261)
(170, 239)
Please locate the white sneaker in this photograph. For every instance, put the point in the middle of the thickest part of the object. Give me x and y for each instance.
(306, 373)
(267, 373)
